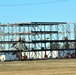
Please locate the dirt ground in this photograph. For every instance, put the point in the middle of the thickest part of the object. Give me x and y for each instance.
(39, 67)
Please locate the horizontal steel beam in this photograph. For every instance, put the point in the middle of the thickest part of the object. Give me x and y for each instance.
(34, 23)
(37, 41)
(35, 50)
(44, 32)
(11, 51)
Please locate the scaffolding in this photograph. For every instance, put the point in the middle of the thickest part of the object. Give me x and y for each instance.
(43, 39)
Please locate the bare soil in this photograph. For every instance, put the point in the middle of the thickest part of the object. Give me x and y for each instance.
(39, 67)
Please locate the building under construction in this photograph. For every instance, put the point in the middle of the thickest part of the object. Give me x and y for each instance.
(40, 40)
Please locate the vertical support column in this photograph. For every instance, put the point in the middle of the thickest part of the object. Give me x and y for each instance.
(1, 32)
(57, 33)
(75, 39)
(35, 54)
(63, 35)
(8, 37)
(16, 32)
(57, 44)
(41, 43)
(68, 31)
(74, 33)
(29, 43)
(12, 33)
(19, 31)
(23, 36)
(67, 37)
(45, 56)
(63, 31)
(4, 35)
(44, 37)
(51, 42)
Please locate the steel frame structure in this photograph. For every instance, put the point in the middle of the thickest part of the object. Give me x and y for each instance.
(43, 39)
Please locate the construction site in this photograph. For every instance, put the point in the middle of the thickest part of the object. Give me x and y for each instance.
(37, 40)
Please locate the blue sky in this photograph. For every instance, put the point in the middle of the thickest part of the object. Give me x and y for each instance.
(56, 10)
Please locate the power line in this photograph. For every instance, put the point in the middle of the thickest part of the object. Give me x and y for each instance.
(33, 3)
